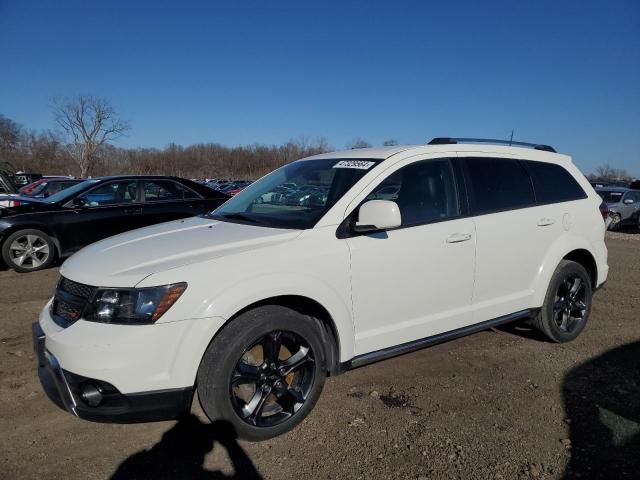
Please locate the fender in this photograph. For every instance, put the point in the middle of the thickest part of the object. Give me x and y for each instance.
(226, 303)
(560, 248)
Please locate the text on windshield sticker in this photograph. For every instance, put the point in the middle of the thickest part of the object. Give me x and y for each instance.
(357, 164)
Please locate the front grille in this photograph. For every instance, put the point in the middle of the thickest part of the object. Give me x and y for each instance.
(69, 301)
(76, 289)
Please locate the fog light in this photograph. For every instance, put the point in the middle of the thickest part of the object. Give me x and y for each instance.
(91, 395)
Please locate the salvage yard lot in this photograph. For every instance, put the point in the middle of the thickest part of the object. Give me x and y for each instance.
(501, 404)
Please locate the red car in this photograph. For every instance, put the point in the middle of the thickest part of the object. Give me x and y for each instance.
(29, 188)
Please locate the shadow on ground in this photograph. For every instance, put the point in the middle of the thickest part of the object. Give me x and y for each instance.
(602, 401)
(181, 452)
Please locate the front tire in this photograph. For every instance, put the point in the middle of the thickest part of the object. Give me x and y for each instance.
(28, 251)
(263, 372)
(567, 304)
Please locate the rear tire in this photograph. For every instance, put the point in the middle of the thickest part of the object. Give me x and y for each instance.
(28, 251)
(263, 372)
(616, 221)
(567, 304)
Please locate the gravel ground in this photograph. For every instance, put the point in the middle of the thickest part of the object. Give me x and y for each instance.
(501, 404)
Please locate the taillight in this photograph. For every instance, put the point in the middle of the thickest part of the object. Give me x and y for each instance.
(604, 211)
(14, 203)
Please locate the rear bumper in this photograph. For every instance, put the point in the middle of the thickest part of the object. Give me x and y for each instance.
(98, 401)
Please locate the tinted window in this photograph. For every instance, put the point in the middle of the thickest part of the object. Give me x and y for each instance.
(424, 191)
(112, 193)
(164, 190)
(499, 184)
(610, 196)
(553, 183)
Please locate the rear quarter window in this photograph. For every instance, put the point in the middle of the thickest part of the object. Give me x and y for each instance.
(553, 183)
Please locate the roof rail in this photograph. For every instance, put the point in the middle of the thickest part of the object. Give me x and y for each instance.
(449, 141)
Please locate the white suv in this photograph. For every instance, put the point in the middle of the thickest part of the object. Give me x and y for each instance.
(255, 304)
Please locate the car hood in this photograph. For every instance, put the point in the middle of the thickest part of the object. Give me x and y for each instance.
(126, 259)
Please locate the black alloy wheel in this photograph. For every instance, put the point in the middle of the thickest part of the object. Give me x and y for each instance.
(272, 379)
(264, 371)
(567, 304)
(570, 307)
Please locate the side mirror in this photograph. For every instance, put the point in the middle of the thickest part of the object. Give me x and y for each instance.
(80, 202)
(376, 215)
(629, 201)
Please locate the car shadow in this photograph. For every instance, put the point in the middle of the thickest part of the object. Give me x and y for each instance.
(602, 402)
(181, 452)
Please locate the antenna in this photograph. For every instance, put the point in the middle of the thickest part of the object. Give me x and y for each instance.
(511, 138)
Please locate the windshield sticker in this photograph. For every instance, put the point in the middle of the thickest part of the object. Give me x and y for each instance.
(357, 164)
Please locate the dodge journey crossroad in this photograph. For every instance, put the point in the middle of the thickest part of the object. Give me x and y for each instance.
(326, 264)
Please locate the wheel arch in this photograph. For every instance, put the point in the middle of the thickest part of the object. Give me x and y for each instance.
(305, 306)
(35, 226)
(587, 260)
(567, 248)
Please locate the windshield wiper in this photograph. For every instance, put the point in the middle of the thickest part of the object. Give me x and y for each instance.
(239, 216)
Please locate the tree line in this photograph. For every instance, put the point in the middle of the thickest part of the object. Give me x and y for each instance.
(88, 125)
(83, 147)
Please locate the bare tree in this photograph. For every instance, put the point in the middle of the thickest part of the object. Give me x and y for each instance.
(360, 143)
(608, 173)
(9, 135)
(89, 123)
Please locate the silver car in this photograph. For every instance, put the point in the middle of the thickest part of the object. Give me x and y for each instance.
(624, 205)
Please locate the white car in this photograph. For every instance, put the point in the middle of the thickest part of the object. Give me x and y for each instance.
(255, 304)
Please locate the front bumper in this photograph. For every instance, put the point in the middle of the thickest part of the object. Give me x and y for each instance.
(99, 401)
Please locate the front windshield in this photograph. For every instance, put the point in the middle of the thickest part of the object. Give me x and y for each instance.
(297, 195)
(611, 197)
(67, 193)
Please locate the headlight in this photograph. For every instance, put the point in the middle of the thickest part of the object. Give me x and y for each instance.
(132, 305)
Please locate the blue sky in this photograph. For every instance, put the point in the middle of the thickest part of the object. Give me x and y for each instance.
(565, 73)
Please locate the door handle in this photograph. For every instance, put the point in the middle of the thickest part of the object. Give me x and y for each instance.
(133, 211)
(458, 237)
(544, 222)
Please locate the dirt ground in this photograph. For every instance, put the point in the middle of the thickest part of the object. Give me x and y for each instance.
(501, 404)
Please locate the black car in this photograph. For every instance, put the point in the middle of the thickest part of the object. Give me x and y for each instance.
(35, 233)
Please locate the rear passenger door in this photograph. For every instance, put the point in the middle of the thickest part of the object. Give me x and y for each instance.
(166, 200)
(513, 234)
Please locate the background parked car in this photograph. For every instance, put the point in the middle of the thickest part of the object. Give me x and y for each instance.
(32, 235)
(623, 204)
(23, 178)
(30, 187)
(43, 189)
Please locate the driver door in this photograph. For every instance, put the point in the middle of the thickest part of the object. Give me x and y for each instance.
(414, 281)
(108, 209)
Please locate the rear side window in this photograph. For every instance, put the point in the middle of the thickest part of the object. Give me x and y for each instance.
(498, 184)
(553, 183)
(164, 190)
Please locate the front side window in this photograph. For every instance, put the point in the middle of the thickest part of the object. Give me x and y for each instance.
(114, 193)
(553, 183)
(297, 195)
(424, 191)
(498, 184)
